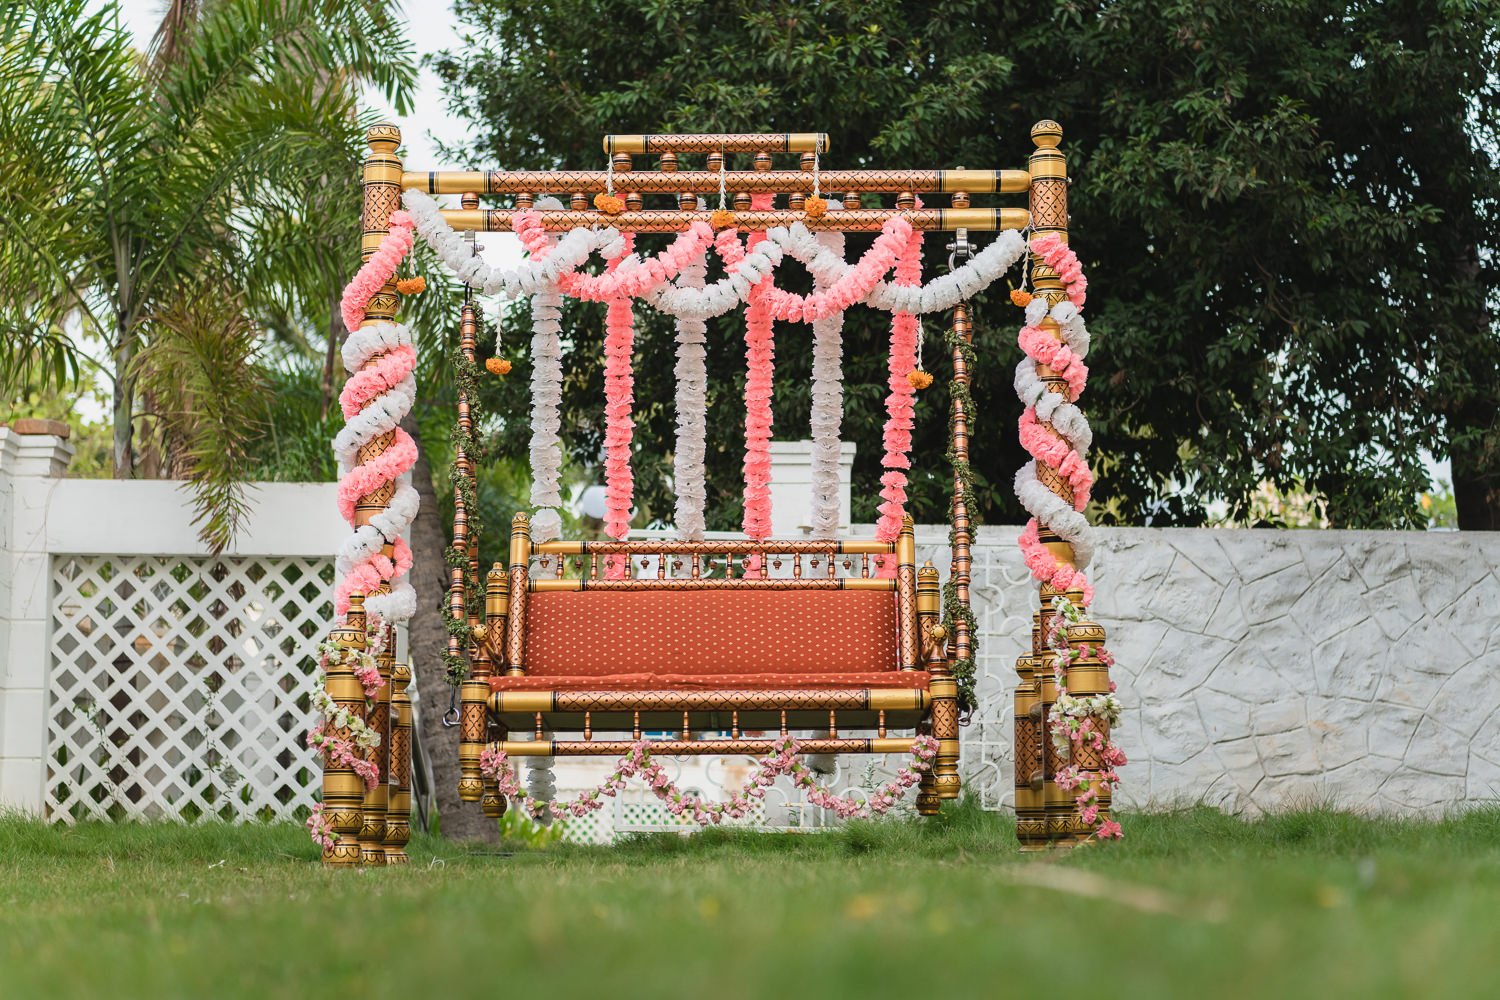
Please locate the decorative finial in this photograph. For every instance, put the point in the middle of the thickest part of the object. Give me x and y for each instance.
(1046, 134)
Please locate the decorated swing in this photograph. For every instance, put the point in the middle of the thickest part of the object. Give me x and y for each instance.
(774, 648)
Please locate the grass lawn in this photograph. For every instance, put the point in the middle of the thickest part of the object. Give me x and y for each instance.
(1314, 904)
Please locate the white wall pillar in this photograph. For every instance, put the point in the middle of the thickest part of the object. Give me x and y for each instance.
(791, 487)
(34, 455)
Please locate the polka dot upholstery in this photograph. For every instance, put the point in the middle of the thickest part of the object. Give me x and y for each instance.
(826, 637)
(916, 679)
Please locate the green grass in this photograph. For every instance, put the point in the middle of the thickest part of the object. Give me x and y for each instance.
(1192, 904)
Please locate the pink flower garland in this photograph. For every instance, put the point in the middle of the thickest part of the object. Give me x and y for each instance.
(894, 241)
(1058, 256)
(900, 404)
(782, 760)
(1044, 444)
(642, 277)
(320, 827)
(760, 355)
(619, 425)
(375, 272)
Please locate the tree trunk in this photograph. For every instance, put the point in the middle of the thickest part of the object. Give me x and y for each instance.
(124, 407)
(427, 636)
(1476, 477)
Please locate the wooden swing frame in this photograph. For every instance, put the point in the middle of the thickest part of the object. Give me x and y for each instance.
(492, 714)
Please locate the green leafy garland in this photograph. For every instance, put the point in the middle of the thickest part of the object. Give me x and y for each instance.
(466, 378)
(955, 610)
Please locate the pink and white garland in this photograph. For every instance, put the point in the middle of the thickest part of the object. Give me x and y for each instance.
(781, 761)
(380, 391)
(1052, 429)
(900, 404)
(1072, 727)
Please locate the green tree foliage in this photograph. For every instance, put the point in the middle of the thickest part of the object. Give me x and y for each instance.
(179, 204)
(1287, 210)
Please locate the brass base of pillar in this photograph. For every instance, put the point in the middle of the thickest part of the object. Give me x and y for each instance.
(343, 854)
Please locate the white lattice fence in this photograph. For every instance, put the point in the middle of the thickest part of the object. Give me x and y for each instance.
(179, 686)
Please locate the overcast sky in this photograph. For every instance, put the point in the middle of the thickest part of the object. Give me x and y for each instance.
(431, 28)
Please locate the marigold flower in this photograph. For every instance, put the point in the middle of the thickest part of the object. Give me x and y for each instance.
(497, 366)
(722, 218)
(1020, 297)
(918, 378)
(815, 207)
(412, 286)
(609, 204)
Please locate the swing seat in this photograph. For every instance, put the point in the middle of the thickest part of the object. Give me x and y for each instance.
(723, 645)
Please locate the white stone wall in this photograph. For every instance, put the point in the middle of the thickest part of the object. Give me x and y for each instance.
(1259, 669)
(1265, 669)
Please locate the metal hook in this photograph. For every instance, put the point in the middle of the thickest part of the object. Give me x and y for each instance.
(452, 712)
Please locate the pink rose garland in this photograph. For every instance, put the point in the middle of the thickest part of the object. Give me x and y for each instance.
(760, 355)
(900, 404)
(781, 761)
(375, 272)
(619, 425)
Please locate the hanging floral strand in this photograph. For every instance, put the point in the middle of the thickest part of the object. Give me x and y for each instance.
(780, 761)
(900, 403)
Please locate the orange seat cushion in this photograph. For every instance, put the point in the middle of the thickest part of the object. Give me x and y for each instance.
(710, 633)
(715, 682)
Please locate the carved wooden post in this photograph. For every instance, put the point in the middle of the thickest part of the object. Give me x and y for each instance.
(942, 781)
(382, 196)
(1088, 676)
(398, 808)
(1031, 815)
(343, 789)
(1048, 168)
(372, 829)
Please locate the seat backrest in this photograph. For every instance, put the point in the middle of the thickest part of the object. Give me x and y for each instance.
(706, 632)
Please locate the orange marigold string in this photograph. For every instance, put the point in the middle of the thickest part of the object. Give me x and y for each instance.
(815, 207)
(722, 218)
(609, 204)
(1020, 297)
(918, 378)
(412, 286)
(497, 366)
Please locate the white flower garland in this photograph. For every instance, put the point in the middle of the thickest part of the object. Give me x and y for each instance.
(546, 406)
(572, 250)
(692, 415)
(827, 400)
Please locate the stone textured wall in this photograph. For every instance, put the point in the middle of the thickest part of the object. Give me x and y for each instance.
(1264, 669)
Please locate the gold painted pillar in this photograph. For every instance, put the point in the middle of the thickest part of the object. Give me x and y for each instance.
(1031, 816)
(942, 782)
(343, 789)
(1088, 676)
(1048, 168)
(372, 829)
(382, 196)
(398, 807)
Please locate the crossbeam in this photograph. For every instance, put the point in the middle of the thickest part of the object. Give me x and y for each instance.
(676, 748)
(719, 142)
(537, 182)
(859, 220)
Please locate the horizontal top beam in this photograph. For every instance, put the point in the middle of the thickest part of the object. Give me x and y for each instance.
(859, 220)
(719, 142)
(537, 182)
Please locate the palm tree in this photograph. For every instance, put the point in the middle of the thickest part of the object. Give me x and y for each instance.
(177, 206)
